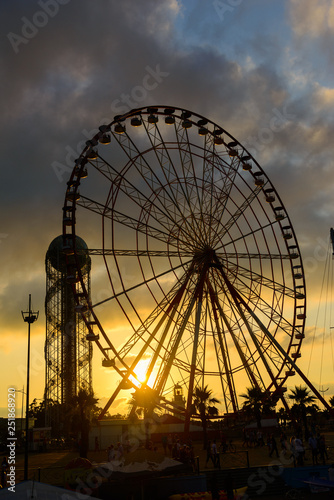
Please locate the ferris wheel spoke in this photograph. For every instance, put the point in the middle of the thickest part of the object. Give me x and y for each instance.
(170, 203)
(244, 275)
(257, 344)
(139, 253)
(272, 311)
(124, 219)
(166, 310)
(168, 167)
(192, 188)
(275, 345)
(203, 342)
(138, 285)
(252, 233)
(240, 211)
(157, 211)
(252, 256)
(172, 311)
(214, 163)
(182, 307)
(222, 354)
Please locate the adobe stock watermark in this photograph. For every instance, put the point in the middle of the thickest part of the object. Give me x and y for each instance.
(139, 93)
(124, 103)
(265, 135)
(267, 475)
(226, 7)
(31, 27)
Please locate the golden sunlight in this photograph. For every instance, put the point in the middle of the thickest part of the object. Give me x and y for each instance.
(141, 369)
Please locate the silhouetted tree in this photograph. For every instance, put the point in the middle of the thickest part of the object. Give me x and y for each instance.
(257, 404)
(302, 399)
(83, 405)
(143, 402)
(283, 416)
(204, 405)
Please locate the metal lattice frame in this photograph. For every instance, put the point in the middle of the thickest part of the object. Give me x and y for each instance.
(68, 353)
(217, 283)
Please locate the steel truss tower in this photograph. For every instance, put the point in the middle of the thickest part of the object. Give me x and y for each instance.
(68, 354)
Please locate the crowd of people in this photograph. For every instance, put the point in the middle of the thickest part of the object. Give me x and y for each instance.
(294, 448)
(117, 452)
(315, 443)
(174, 447)
(297, 448)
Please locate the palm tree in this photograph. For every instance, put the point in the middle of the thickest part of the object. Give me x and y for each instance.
(331, 401)
(144, 401)
(282, 415)
(203, 404)
(38, 411)
(302, 398)
(257, 403)
(83, 405)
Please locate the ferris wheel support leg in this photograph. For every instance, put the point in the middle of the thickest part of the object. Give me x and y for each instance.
(224, 354)
(238, 300)
(288, 359)
(193, 363)
(170, 314)
(172, 353)
(272, 338)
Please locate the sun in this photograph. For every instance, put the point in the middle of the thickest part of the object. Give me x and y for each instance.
(141, 369)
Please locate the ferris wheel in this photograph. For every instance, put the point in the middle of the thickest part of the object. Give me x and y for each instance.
(197, 278)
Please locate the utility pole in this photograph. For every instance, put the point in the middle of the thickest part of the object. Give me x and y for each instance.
(29, 317)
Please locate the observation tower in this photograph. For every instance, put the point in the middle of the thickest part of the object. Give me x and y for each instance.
(68, 354)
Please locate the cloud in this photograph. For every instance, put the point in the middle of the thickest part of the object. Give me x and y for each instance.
(312, 19)
(312, 25)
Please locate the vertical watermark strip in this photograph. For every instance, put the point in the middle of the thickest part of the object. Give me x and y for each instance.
(11, 439)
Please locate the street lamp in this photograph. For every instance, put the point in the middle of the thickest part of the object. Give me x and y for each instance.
(29, 317)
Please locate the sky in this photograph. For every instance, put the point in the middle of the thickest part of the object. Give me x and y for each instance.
(67, 67)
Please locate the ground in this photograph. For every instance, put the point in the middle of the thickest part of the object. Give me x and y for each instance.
(48, 466)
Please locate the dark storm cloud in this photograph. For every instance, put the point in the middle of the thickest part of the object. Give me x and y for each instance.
(58, 82)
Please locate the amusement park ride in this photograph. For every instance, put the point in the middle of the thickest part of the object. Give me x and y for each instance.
(195, 254)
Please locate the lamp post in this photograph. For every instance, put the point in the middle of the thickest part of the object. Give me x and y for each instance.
(29, 317)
